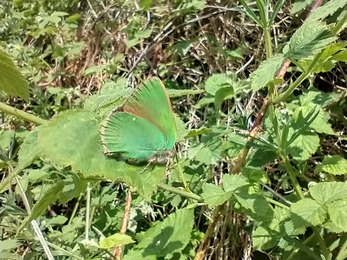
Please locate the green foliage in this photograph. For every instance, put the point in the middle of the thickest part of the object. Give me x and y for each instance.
(283, 189)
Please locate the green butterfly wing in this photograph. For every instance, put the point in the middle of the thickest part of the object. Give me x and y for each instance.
(133, 136)
(151, 102)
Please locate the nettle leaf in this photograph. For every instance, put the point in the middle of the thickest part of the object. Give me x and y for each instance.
(326, 10)
(72, 138)
(218, 81)
(115, 240)
(255, 174)
(7, 245)
(326, 60)
(300, 6)
(256, 203)
(221, 95)
(320, 124)
(315, 96)
(304, 146)
(338, 215)
(335, 165)
(112, 94)
(234, 182)
(169, 236)
(307, 40)
(273, 231)
(214, 195)
(326, 192)
(11, 80)
(266, 72)
(307, 212)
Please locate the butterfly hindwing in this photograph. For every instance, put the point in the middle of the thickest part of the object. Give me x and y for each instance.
(133, 136)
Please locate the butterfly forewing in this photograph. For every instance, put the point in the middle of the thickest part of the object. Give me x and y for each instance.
(151, 102)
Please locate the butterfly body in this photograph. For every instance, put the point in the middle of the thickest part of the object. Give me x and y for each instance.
(144, 127)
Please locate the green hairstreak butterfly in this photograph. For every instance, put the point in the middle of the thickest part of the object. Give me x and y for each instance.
(144, 127)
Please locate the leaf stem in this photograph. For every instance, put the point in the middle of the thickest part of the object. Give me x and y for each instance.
(180, 192)
(19, 113)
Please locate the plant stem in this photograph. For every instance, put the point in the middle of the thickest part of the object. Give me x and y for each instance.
(180, 192)
(19, 113)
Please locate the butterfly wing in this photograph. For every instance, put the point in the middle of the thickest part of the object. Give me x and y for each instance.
(150, 101)
(133, 136)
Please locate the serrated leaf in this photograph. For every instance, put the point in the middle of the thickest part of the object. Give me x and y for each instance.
(335, 165)
(341, 56)
(115, 240)
(338, 215)
(307, 40)
(256, 175)
(57, 220)
(214, 195)
(112, 94)
(307, 212)
(254, 202)
(304, 146)
(266, 72)
(234, 182)
(326, 192)
(138, 254)
(11, 80)
(300, 6)
(72, 138)
(7, 245)
(320, 124)
(325, 10)
(216, 82)
(169, 236)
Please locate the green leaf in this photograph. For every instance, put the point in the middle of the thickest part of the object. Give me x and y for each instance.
(73, 187)
(326, 192)
(266, 72)
(41, 206)
(307, 40)
(216, 82)
(221, 95)
(256, 203)
(307, 212)
(11, 80)
(304, 146)
(169, 236)
(214, 195)
(338, 215)
(7, 245)
(335, 165)
(232, 183)
(300, 5)
(28, 152)
(146, 4)
(115, 240)
(325, 10)
(72, 138)
(112, 94)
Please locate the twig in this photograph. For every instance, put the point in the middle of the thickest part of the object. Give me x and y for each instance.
(118, 250)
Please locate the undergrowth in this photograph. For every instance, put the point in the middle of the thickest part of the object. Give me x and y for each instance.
(259, 95)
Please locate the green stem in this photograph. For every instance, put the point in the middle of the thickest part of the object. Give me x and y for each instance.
(180, 192)
(182, 177)
(268, 43)
(19, 113)
(292, 174)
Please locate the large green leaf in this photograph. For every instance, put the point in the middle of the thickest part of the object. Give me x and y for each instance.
(11, 80)
(170, 236)
(72, 139)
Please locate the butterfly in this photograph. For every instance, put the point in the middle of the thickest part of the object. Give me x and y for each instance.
(144, 127)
